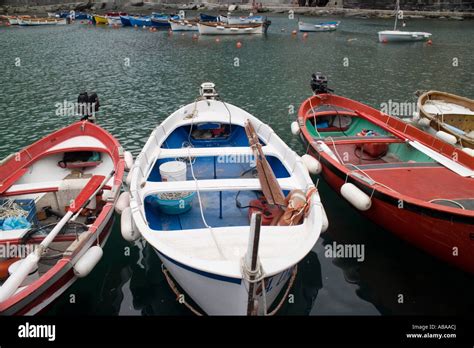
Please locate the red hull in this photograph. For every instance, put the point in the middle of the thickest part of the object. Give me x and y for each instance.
(444, 231)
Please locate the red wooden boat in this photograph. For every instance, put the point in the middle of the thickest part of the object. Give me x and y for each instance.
(38, 186)
(405, 180)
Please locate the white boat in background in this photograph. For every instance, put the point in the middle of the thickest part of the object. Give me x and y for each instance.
(319, 27)
(42, 21)
(396, 35)
(193, 196)
(218, 28)
(245, 19)
(183, 25)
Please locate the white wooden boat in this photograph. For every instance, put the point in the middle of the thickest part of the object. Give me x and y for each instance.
(218, 28)
(245, 19)
(183, 25)
(42, 21)
(396, 35)
(204, 242)
(114, 21)
(40, 188)
(326, 26)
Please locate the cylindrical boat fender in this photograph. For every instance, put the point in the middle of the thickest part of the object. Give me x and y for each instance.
(424, 122)
(312, 164)
(295, 128)
(128, 158)
(88, 261)
(446, 137)
(325, 224)
(128, 180)
(356, 197)
(122, 202)
(324, 148)
(129, 232)
(469, 151)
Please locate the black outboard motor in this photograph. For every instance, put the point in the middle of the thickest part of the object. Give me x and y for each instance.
(319, 83)
(88, 105)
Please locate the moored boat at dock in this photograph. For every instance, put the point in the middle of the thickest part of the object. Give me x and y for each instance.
(405, 180)
(217, 28)
(197, 190)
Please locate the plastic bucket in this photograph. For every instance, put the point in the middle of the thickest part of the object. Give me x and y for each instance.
(173, 171)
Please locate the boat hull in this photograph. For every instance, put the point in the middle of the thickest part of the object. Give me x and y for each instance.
(140, 22)
(100, 20)
(322, 27)
(40, 22)
(402, 36)
(218, 295)
(459, 124)
(114, 21)
(207, 29)
(183, 26)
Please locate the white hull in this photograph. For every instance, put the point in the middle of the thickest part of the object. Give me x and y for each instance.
(402, 36)
(223, 297)
(28, 22)
(114, 21)
(229, 30)
(207, 262)
(244, 20)
(183, 26)
(13, 21)
(316, 27)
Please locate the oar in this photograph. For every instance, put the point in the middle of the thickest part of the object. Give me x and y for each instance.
(95, 184)
(270, 187)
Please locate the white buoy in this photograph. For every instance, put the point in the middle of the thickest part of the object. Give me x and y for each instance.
(128, 158)
(129, 233)
(424, 122)
(122, 202)
(469, 151)
(88, 261)
(446, 137)
(312, 164)
(356, 197)
(325, 224)
(321, 146)
(295, 128)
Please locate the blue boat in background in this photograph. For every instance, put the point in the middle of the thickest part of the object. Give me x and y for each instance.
(159, 20)
(125, 21)
(142, 21)
(208, 18)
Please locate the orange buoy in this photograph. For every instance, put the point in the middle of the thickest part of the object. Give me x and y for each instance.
(135, 26)
(195, 37)
(4, 267)
(294, 32)
(218, 40)
(384, 41)
(430, 42)
(239, 44)
(305, 35)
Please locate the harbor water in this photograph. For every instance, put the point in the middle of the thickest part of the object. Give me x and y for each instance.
(142, 76)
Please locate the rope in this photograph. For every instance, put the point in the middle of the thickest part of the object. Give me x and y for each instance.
(201, 209)
(179, 296)
(448, 200)
(280, 304)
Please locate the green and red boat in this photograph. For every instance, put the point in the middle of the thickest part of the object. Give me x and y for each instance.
(403, 179)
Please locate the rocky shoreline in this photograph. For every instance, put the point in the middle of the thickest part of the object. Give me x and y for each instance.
(146, 8)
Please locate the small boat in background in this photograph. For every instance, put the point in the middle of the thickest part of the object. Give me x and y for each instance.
(208, 18)
(450, 116)
(140, 21)
(125, 20)
(403, 179)
(114, 18)
(319, 27)
(14, 20)
(217, 28)
(184, 25)
(100, 20)
(159, 20)
(57, 199)
(211, 179)
(42, 21)
(245, 19)
(399, 35)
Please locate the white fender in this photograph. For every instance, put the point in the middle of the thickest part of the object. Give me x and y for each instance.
(122, 202)
(424, 122)
(468, 151)
(88, 261)
(295, 128)
(312, 164)
(356, 197)
(321, 146)
(128, 158)
(446, 137)
(129, 233)
(325, 225)
(128, 181)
